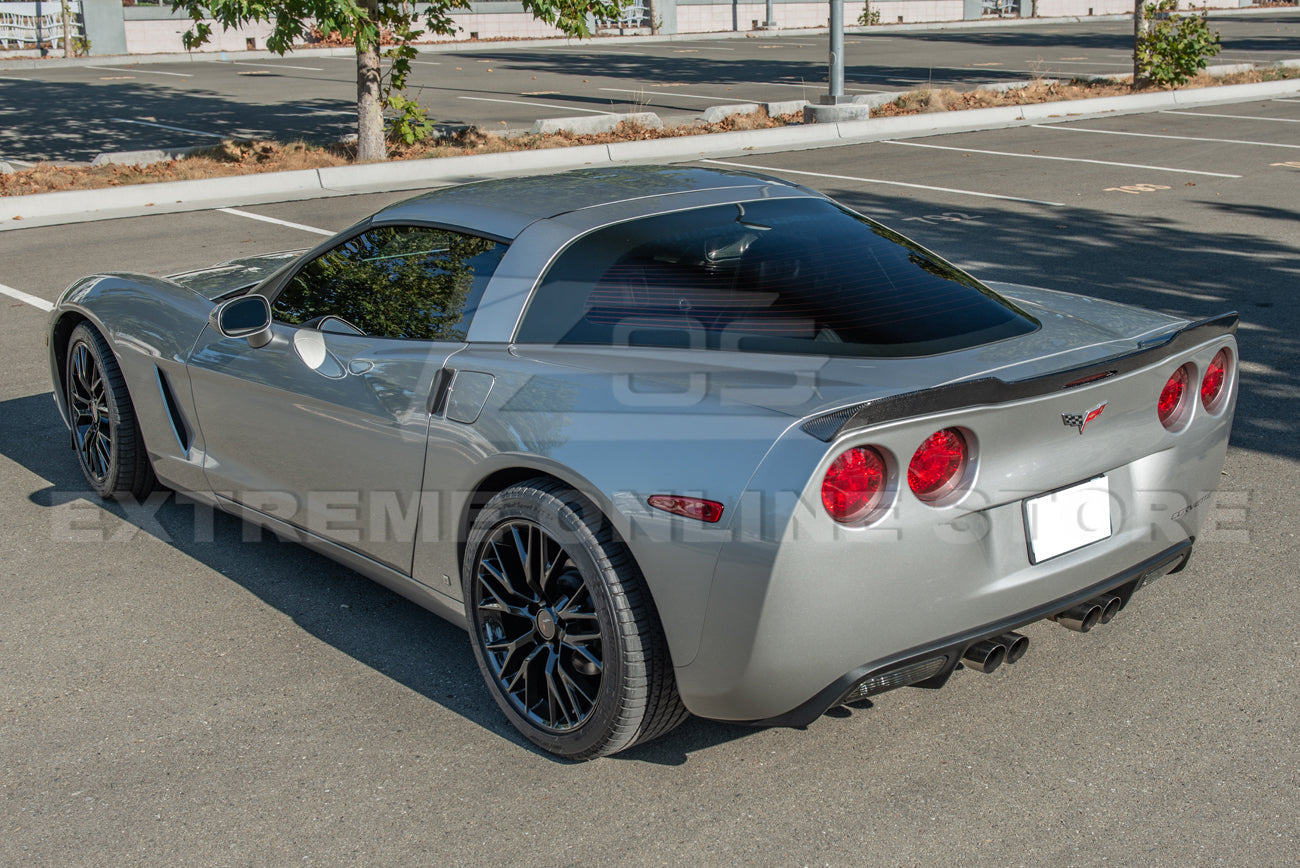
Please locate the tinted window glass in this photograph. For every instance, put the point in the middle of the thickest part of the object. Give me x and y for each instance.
(395, 282)
(783, 275)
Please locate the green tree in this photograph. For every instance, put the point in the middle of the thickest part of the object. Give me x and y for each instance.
(365, 23)
(1168, 48)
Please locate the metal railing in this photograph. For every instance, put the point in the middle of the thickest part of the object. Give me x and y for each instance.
(635, 14)
(1002, 8)
(31, 25)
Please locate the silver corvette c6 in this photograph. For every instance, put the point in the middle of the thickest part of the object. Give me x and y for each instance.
(666, 440)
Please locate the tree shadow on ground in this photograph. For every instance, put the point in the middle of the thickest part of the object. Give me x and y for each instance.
(1120, 38)
(71, 121)
(707, 71)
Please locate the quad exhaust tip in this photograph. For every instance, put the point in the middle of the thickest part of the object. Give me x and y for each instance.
(985, 656)
(1016, 644)
(989, 654)
(1082, 617)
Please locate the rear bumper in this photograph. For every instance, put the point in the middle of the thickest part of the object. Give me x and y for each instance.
(899, 671)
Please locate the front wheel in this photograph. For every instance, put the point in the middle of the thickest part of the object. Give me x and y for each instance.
(563, 627)
(105, 433)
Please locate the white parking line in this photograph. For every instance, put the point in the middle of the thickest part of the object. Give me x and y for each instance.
(1063, 159)
(320, 111)
(889, 183)
(251, 216)
(662, 93)
(820, 85)
(1285, 99)
(139, 71)
(538, 105)
(1157, 136)
(18, 294)
(1234, 117)
(269, 65)
(166, 127)
(1074, 62)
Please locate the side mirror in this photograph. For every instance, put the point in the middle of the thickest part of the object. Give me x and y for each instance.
(248, 317)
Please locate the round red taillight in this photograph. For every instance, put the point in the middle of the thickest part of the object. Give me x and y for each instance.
(938, 464)
(1171, 398)
(1215, 377)
(854, 484)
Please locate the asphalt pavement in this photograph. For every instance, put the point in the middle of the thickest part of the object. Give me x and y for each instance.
(57, 111)
(174, 692)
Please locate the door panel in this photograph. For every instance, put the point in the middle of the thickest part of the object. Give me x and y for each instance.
(326, 431)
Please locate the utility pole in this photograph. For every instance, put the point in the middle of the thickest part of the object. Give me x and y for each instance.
(771, 20)
(834, 106)
(836, 94)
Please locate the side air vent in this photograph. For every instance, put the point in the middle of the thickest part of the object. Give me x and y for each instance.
(184, 435)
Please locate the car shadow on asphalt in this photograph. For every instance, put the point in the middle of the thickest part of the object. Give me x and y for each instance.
(375, 626)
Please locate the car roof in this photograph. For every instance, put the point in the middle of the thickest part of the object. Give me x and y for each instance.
(504, 207)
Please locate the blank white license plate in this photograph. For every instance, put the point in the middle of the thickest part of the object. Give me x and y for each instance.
(1068, 519)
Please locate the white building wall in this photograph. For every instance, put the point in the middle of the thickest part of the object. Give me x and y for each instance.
(164, 36)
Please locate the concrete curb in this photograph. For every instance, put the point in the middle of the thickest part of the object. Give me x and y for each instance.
(75, 206)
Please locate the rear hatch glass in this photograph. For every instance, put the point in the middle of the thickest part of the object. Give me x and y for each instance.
(798, 276)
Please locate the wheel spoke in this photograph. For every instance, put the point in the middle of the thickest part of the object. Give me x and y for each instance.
(497, 602)
(585, 653)
(554, 567)
(520, 536)
(557, 706)
(103, 455)
(515, 654)
(578, 699)
(520, 680)
(496, 571)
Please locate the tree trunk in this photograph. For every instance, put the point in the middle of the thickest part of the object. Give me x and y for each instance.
(654, 22)
(1140, 28)
(67, 29)
(370, 109)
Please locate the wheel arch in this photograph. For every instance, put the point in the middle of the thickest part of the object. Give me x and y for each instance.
(60, 337)
(502, 478)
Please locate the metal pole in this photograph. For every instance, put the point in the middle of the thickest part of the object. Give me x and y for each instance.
(836, 94)
(771, 18)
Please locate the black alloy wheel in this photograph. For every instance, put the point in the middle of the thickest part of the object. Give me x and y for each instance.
(540, 632)
(563, 626)
(105, 433)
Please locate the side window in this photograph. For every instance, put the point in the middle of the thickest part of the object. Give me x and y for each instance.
(395, 282)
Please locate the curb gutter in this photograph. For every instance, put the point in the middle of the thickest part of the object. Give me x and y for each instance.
(77, 206)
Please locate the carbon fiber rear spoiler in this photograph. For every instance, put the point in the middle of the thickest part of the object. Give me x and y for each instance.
(991, 390)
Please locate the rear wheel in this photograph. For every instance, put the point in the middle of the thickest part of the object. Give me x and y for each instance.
(563, 627)
(105, 433)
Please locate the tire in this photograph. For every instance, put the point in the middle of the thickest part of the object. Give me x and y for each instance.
(563, 626)
(105, 433)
